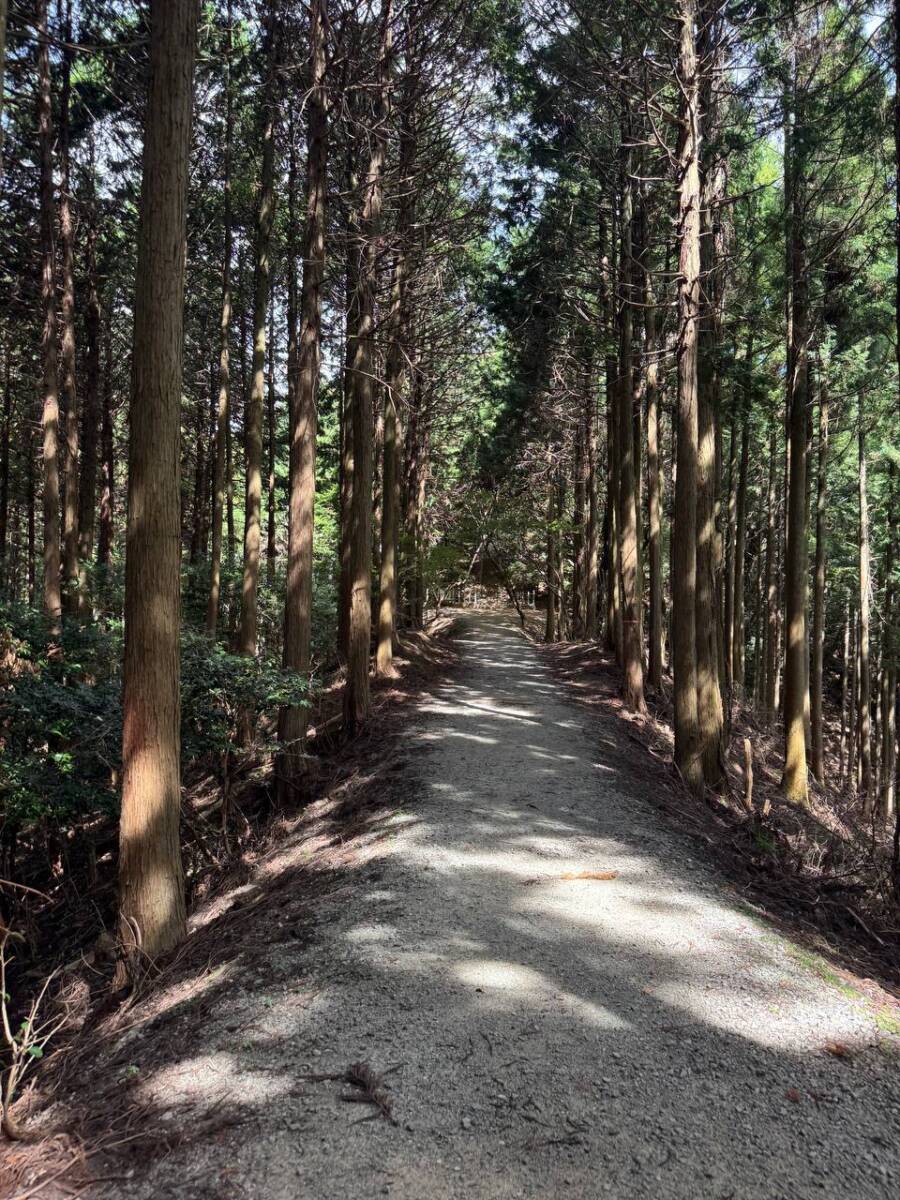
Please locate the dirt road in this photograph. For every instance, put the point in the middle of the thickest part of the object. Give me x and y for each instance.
(545, 1036)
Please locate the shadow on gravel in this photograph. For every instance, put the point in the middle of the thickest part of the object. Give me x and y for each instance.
(638, 1035)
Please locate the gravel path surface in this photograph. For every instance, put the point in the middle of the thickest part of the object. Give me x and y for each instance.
(640, 1036)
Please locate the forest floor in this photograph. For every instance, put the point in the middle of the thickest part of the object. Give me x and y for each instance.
(535, 983)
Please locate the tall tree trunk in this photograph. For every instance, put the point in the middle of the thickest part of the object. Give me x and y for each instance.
(796, 695)
(69, 393)
(710, 662)
(614, 575)
(359, 628)
(91, 414)
(688, 751)
(253, 418)
(738, 638)
(395, 377)
(865, 688)
(844, 748)
(271, 419)
(4, 466)
(351, 295)
(50, 412)
(887, 790)
(578, 533)
(223, 403)
(632, 659)
(818, 629)
(654, 498)
(151, 891)
(108, 464)
(592, 563)
(551, 626)
(303, 395)
(3, 14)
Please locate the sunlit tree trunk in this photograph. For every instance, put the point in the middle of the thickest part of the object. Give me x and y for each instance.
(818, 629)
(738, 635)
(151, 889)
(887, 790)
(395, 378)
(362, 358)
(69, 392)
(50, 411)
(865, 687)
(796, 695)
(303, 393)
(688, 750)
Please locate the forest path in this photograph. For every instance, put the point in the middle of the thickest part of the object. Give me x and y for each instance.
(642, 1036)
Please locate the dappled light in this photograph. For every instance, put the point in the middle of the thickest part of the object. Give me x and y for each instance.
(525, 1015)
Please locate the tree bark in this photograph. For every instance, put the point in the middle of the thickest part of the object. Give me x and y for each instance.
(818, 629)
(223, 404)
(151, 892)
(654, 499)
(303, 395)
(253, 417)
(108, 464)
(632, 659)
(796, 695)
(865, 688)
(395, 377)
(50, 409)
(688, 751)
(72, 590)
(359, 627)
(91, 414)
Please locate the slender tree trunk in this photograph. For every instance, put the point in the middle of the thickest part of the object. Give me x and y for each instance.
(796, 694)
(351, 291)
(632, 665)
(151, 890)
(4, 467)
(91, 416)
(730, 539)
(253, 418)
(303, 394)
(359, 627)
(887, 790)
(223, 404)
(271, 419)
(738, 637)
(3, 14)
(654, 499)
(50, 413)
(395, 376)
(844, 749)
(688, 750)
(593, 530)
(865, 689)
(551, 627)
(578, 534)
(69, 392)
(818, 630)
(108, 465)
(613, 583)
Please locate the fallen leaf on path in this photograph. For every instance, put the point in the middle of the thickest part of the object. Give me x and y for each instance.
(590, 875)
(793, 1095)
(837, 1049)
